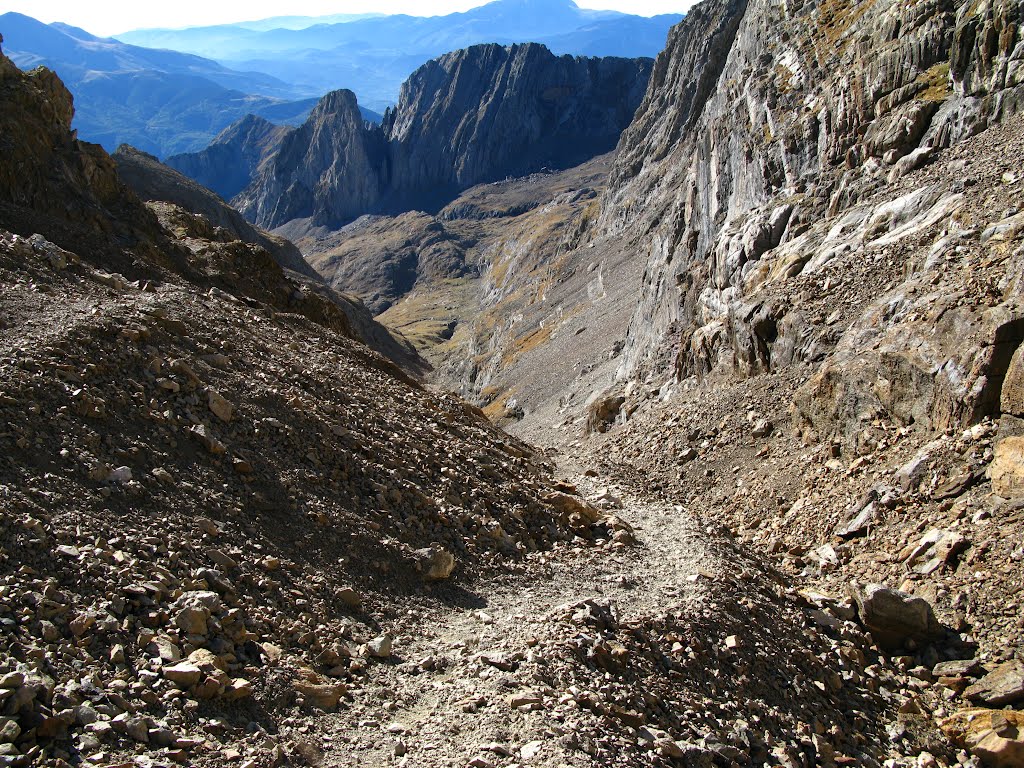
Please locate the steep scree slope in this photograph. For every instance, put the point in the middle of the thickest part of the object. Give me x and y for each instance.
(474, 115)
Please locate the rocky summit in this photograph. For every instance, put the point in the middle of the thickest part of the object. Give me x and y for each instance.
(480, 114)
(738, 479)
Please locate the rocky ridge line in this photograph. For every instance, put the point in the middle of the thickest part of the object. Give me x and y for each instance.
(475, 115)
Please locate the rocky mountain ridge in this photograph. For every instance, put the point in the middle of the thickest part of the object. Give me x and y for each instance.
(233, 158)
(475, 115)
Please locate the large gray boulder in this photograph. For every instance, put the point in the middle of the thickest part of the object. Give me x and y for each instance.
(893, 617)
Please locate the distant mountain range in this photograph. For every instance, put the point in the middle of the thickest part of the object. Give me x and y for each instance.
(161, 90)
(373, 56)
(159, 101)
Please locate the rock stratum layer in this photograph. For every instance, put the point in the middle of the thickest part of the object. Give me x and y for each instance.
(475, 115)
(763, 129)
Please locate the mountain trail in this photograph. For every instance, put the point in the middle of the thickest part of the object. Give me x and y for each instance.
(475, 658)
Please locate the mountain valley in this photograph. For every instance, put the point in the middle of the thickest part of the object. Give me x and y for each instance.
(584, 412)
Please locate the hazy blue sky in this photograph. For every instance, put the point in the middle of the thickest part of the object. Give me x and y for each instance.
(105, 18)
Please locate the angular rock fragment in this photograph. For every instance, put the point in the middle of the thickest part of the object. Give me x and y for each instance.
(318, 693)
(936, 549)
(996, 736)
(208, 440)
(894, 617)
(1007, 468)
(859, 516)
(435, 563)
(185, 675)
(1003, 685)
(381, 647)
(219, 405)
(573, 511)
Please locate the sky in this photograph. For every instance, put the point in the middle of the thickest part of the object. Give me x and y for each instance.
(106, 18)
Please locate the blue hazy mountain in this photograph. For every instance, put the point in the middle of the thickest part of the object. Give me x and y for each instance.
(160, 101)
(155, 89)
(301, 22)
(373, 56)
(32, 42)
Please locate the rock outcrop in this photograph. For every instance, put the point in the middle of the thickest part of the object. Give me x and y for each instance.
(152, 180)
(471, 116)
(50, 181)
(763, 129)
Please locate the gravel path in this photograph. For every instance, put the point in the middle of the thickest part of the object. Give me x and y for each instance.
(471, 655)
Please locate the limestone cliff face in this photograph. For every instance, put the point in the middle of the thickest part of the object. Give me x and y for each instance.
(233, 157)
(475, 115)
(764, 127)
(332, 168)
(488, 112)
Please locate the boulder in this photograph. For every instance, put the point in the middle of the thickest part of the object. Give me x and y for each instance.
(219, 405)
(893, 617)
(206, 437)
(1011, 397)
(349, 598)
(318, 693)
(192, 620)
(603, 412)
(206, 660)
(1007, 469)
(573, 511)
(859, 516)
(996, 736)
(936, 549)
(381, 647)
(435, 563)
(184, 675)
